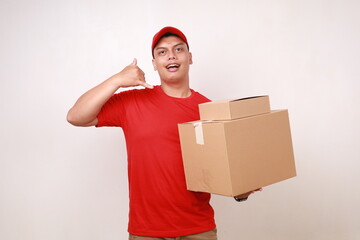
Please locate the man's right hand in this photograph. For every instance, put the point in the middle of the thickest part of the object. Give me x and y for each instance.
(130, 76)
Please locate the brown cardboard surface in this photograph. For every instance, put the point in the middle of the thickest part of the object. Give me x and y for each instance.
(238, 155)
(233, 109)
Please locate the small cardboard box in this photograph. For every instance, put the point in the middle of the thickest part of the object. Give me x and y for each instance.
(237, 156)
(233, 109)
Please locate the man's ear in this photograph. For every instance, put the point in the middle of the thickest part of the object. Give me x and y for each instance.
(154, 65)
(190, 58)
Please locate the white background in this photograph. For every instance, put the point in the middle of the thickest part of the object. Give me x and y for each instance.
(59, 182)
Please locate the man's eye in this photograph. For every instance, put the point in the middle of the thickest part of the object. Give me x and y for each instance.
(161, 52)
(178, 49)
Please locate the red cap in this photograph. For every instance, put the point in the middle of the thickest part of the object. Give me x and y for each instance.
(164, 31)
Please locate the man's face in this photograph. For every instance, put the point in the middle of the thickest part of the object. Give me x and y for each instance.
(172, 59)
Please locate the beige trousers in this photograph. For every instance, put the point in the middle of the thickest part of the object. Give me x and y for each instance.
(210, 235)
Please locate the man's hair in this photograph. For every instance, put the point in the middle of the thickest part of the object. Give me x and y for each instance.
(169, 34)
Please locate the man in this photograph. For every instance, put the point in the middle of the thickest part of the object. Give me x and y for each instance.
(160, 205)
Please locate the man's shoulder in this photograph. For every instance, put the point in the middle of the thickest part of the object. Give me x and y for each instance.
(200, 97)
(134, 93)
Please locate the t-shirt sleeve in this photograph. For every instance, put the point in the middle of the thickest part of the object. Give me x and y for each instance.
(112, 114)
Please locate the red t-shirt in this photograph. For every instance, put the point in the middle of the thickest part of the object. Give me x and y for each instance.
(160, 204)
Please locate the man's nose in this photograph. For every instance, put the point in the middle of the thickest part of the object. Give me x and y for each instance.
(172, 55)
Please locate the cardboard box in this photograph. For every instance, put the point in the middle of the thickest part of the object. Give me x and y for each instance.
(233, 109)
(237, 156)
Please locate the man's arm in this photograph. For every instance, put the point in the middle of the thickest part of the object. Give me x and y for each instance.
(87, 107)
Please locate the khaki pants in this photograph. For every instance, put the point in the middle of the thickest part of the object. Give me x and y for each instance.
(210, 235)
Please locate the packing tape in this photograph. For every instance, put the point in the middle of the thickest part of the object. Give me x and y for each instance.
(199, 135)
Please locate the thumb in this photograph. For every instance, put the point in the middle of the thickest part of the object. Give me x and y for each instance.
(134, 62)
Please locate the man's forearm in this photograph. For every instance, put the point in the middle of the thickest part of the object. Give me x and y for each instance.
(87, 107)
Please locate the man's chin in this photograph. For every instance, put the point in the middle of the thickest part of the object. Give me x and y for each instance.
(173, 80)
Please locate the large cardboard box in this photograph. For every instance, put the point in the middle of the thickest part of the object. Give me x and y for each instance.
(232, 157)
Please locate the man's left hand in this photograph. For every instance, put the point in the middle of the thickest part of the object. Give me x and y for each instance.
(246, 195)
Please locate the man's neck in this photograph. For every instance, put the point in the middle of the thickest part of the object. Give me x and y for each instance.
(176, 90)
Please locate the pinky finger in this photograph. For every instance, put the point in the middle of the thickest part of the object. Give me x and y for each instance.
(144, 84)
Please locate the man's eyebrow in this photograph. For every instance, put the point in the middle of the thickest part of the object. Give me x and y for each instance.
(160, 48)
(179, 44)
(176, 45)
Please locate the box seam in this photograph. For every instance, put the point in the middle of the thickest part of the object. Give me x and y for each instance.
(227, 157)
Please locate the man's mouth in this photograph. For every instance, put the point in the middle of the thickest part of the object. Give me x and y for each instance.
(172, 66)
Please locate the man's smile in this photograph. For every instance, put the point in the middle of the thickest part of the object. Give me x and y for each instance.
(173, 67)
